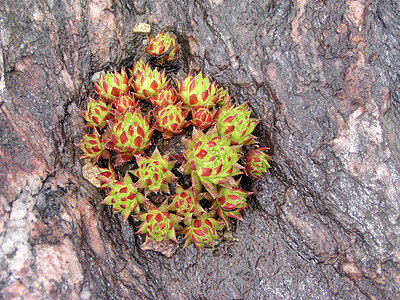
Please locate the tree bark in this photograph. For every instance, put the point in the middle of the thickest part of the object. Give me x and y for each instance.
(323, 76)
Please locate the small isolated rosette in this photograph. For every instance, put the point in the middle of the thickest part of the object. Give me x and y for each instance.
(170, 120)
(96, 114)
(130, 134)
(124, 197)
(229, 203)
(197, 91)
(211, 160)
(202, 118)
(235, 121)
(164, 97)
(154, 172)
(257, 162)
(162, 47)
(125, 102)
(112, 85)
(148, 82)
(158, 224)
(92, 146)
(185, 203)
(202, 231)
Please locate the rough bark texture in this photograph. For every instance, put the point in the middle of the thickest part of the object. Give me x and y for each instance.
(322, 75)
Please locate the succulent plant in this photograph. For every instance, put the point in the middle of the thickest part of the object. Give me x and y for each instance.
(170, 120)
(229, 203)
(202, 118)
(223, 97)
(164, 97)
(124, 197)
(185, 203)
(96, 114)
(235, 121)
(210, 160)
(197, 91)
(112, 85)
(154, 172)
(124, 102)
(148, 82)
(158, 224)
(138, 67)
(257, 162)
(202, 231)
(122, 133)
(107, 175)
(129, 134)
(92, 146)
(162, 46)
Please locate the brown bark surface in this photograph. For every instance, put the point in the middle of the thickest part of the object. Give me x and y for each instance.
(324, 78)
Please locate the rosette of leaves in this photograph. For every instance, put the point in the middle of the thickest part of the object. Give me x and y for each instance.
(154, 172)
(112, 85)
(138, 67)
(92, 146)
(158, 224)
(223, 97)
(202, 118)
(197, 91)
(162, 47)
(130, 134)
(125, 102)
(185, 203)
(211, 160)
(106, 176)
(235, 121)
(96, 114)
(229, 203)
(257, 162)
(164, 97)
(170, 120)
(148, 82)
(202, 231)
(124, 197)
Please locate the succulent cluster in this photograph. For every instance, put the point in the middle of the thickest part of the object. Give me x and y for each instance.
(138, 167)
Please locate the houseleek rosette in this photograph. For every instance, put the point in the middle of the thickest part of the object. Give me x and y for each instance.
(211, 160)
(106, 176)
(92, 146)
(164, 97)
(154, 172)
(124, 197)
(158, 224)
(112, 85)
(257, 162)
(197, 91)
(148, 82)
(96, 114)
(235, 121)
(229, 203)
(202, 231)
(130, 134)
(202, 118)
(185, 203)
(138, 67)
(125, 102)
(162, 46)
(170, 120)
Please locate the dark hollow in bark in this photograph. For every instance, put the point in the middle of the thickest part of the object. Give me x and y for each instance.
(323, 76)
